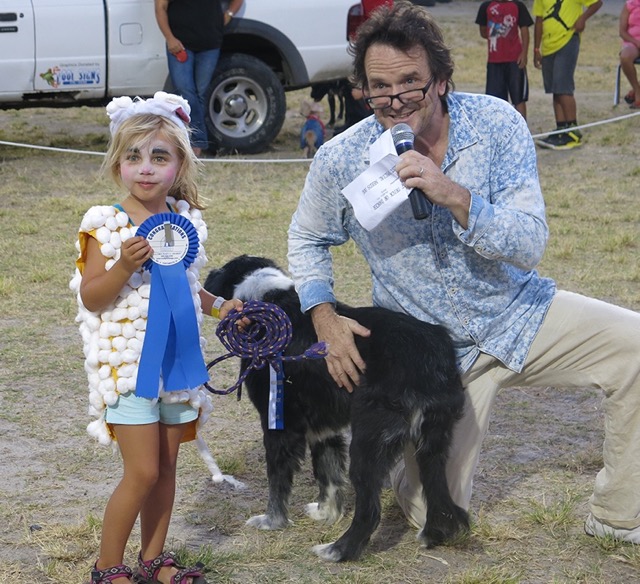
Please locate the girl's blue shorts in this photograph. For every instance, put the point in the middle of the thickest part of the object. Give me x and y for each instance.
(133, 410)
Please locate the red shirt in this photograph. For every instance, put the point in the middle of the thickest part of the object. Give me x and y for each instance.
(503, 21)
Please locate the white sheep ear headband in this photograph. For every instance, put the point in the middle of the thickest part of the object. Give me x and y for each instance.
(172, 107)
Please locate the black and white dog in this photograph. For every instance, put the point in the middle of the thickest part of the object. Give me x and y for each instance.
(411, 391)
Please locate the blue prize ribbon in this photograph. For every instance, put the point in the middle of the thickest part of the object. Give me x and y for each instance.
(172, 340)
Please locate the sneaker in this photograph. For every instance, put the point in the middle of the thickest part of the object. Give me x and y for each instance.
(596, 528)
(551, 141)
(630, 97)
(569, 140)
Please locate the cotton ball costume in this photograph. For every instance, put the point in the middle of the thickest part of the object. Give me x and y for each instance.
(113, 338)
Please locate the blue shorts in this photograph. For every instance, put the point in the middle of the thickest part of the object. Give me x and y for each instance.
(133, 410)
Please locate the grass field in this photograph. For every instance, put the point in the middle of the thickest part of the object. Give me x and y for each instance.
(544, 445)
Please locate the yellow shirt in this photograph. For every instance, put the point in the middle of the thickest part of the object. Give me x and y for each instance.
(555, 34)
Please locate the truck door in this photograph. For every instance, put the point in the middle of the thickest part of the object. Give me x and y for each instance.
(70, 47)
(16, 47)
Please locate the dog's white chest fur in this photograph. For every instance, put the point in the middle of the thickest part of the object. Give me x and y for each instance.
(258, 283)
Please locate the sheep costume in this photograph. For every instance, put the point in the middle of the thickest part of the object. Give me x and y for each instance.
(113, 338)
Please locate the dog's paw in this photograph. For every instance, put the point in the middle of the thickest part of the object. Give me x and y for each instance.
(327, 551)
(326, 513)
(267, 522)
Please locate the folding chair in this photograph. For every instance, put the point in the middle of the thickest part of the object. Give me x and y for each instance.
(616, 93)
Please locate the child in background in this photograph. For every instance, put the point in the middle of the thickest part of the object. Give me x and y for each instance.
(312, 132)
(630, 34)
(558, 27)
(505, 24)
(150, 156)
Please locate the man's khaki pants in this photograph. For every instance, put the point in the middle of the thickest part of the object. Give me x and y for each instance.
(582, 343)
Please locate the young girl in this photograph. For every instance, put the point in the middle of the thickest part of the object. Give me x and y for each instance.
(150, 156)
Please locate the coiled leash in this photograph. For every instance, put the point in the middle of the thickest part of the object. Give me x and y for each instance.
(263, 342)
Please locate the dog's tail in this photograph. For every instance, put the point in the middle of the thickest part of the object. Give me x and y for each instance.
(216, 474)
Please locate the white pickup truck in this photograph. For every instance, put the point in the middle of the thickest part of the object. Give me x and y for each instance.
(84, 52)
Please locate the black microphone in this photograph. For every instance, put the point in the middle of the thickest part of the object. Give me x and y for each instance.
(403, 138)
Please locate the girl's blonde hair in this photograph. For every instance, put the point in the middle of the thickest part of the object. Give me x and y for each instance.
(136, 132)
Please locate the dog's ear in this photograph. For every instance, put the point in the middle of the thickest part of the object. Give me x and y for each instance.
(218, 284)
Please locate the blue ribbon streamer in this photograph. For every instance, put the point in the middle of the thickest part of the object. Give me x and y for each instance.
(172, 339)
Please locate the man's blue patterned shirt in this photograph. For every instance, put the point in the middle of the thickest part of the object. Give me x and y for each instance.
(479, 282)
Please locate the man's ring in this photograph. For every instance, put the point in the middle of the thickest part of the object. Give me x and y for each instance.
(421, 170)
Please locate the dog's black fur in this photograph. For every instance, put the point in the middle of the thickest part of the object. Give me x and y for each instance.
(411, 391)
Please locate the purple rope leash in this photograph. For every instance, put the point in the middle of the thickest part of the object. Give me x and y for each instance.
(263, 342)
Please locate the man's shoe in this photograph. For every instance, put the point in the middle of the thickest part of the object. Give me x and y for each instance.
(596, 528)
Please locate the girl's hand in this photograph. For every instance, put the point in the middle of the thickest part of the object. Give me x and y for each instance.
(135, 251)
(229, 305)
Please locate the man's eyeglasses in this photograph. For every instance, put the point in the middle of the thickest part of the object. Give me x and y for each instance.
(377, 102)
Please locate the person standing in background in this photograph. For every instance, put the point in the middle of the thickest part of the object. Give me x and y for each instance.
(193, 30)
(557, 30)
(505, 24)
(630, 35)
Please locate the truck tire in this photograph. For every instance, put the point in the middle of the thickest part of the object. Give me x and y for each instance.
(245, 106)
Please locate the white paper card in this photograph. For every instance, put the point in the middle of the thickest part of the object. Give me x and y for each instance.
(377, 192)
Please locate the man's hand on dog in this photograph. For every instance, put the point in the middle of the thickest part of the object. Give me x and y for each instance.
(343, 360)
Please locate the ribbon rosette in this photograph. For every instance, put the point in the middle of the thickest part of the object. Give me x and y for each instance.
(172, 341)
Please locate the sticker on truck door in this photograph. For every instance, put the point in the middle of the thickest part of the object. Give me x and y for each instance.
(72, 75)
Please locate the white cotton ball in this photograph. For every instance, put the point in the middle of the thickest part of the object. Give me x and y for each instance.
(110, 210)
(111, 223)
(140, 324)
(125, 233)
(104, 372)
(107, 250)
(135, 345)
(191, 277)
(115, 240)
(144, 290)
(103, 235)
(133, 312)
(94, 412)
(122, 219)
(127, 370)
(146, 277)
(122, 384)
(114, 329)
(130, 356)
(92, 359)
(134, 298)
(104, 344)
(144, 308)
(95, 400)
(135, 280)
(110, 398)
(92, 322)
(182, 206)
(115, 359)
(128, 330)
(195, 402)
(119, 343)
(103, 356)
(119, 314)
(74, 284)
(107, 385)
(90, 368)
(109, 264)
(93, 378)
(196, 214)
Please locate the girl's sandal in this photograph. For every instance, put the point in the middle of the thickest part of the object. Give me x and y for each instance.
(148, 571)
(108, 575)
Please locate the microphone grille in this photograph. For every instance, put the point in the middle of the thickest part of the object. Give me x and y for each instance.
(402, 133)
